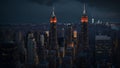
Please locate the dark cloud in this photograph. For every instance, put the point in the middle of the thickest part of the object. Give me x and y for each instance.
(51, 2)
(112, 5)
(45, 2)
(38, 11)
(102, 4)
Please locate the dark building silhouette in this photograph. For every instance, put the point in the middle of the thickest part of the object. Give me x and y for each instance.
(50, 46)
(9, 56)
(53, 32)
(83, 55)
(43, 54)
(103, 51)
(84, 30)
(53, 43)
(32, 57)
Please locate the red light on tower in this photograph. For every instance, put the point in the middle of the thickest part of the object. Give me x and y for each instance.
(53, 18)
(84, 19)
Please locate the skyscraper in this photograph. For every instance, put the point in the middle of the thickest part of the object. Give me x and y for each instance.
(32, 56)
(84, 30)
(61, 43)
(46, 42)
(103, 51)
(9, 56)
(21, 47)
(83, 56)
(43, 54)
(53, 32)
(75, 40)
(69, 35)
(53, 45)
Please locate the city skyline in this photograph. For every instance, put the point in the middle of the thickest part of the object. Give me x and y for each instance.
(38, 11)
(69, 38)
(54, 45)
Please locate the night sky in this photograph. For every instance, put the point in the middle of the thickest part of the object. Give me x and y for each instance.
(67, 11)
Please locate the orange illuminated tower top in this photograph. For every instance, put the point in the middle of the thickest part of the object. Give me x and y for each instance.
(53, 18)
(84, 18)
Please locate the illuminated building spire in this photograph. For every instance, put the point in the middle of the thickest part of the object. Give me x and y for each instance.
(53, 31)
(84, 11)
(53, 43)
(84, 41)
(53, 18)
(84, 18)
(84, 29)
(53, 13)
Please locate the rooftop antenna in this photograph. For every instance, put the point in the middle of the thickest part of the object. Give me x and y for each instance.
(53, 13)
(84, 11)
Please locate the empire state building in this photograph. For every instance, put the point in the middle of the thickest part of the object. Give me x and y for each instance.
(84, 29)
(53, 32)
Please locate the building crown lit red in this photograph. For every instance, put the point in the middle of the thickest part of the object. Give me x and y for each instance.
(84, 18)
(53, 18)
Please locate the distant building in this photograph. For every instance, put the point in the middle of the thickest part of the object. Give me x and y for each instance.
(21, 47)
(84, 30)
(53, 32)
(103, 51)
(32, 57)
(43, 54)
(67, 62)
(9, 56)
(53, 43)
(83, 55)
(46, 39)
(61, 41)
(69, 35)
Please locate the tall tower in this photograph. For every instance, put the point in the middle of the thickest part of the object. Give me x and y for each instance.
(84, 29)
(75, 40)
(62, 44)
(103, 54)
(83, 57)
(32, 57)
(21, 47)
(69, 35)
(53, 32)
(53, 44)
(43, 54)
